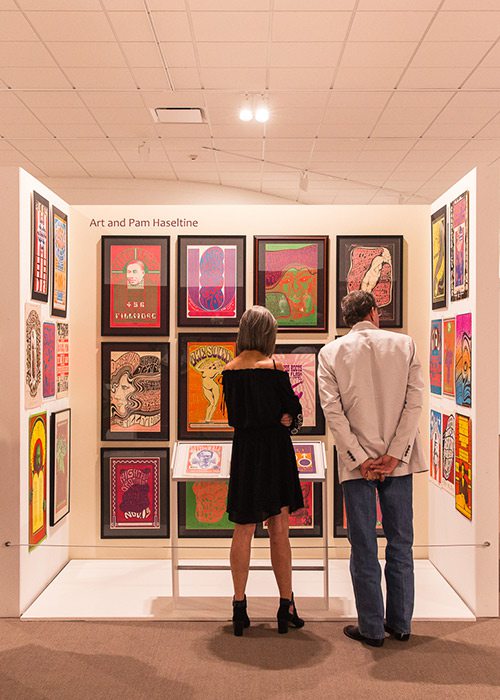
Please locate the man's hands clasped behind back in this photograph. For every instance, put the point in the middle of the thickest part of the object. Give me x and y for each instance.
(378, 468)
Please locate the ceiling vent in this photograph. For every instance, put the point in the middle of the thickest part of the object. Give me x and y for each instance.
(178, 115)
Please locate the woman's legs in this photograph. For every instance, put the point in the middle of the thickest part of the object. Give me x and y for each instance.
(240, 557)
(281, 554)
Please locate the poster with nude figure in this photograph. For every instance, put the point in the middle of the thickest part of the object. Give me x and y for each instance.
(134, 493)
(372, 264)
(211, 280)
(463, 360)
(290, 280)
(135, 391)
(438, 258)
(135, 285)
(463, 465)
(301, 363)
(202, 358)
(37, 483)
(459, 247)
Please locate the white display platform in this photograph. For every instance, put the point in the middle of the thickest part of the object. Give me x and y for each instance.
(131, 589)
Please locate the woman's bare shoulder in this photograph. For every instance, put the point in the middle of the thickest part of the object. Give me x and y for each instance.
(269, 363)
(231, 365)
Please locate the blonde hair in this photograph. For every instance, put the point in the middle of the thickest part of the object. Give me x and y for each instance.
(257, 331)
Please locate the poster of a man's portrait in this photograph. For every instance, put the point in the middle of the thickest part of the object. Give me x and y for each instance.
(202, 358)
(290, 280)
(135, 285)
(211, 280)
(372, 264)
(135, 391)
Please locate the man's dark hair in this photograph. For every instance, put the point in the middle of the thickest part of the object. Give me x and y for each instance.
(356, 306)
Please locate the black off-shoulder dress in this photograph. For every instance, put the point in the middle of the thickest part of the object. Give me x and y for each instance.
(264, 475)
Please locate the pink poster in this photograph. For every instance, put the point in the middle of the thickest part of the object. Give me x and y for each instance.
(301, 368)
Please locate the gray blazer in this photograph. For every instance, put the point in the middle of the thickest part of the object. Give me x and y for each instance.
(371, 390)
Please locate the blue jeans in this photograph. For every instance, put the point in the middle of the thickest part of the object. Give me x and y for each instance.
(395, 495)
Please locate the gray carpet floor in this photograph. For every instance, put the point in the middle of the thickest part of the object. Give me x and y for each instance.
(136, 660)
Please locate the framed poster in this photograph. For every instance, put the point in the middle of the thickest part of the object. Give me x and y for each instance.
(339, 511)
(436, 356)
(211, 280)
(60, 464)
(134, 493)
(40, 248)
(435, 464)
(49, 360)
(62, 360)
(459, 247)
(448, 454)
(301, 363)
(201, 460)
(59, 304)
(463, 360)
(202, 358)
(373, 264)
(291, 280)
(449, 357)
(37, 461)
(135, 391)
(438, 255)
(202, 509)
(463, 465)
(32, 356)
(307, 521)
(310, 458)
(135, 285)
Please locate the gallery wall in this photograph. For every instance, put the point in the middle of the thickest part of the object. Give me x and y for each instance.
(224, 219)
(470, 568)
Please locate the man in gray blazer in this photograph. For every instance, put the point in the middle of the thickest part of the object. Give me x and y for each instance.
(371, 390)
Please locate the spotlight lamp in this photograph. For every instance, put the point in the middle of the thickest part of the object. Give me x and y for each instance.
(260, 114)
(246, 111)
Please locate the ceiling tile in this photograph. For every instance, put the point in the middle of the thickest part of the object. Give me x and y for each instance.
(434, 54)
(63, 115)
(487, 77)
(12, 157)
(283, 131)
(129, 115)
(492, 130)
(14, 27)
(179, 53)
(231, 26)
(19, 78)
(367, 77)
(291, 115)
(385, 26)
(337, 5)
(163, 98)
(310, 26)
(83, 54)
(76, 145)
(377, 53)
(297, 144)
(61, 156)
(113, 78)
(154, 78)
(107, 98)
(406, 115)
(183, 130)
(24, 54)
(300, 78)
(16, 115)
(46, 144)
(388, 144)
(345, 130)
(136, 131)
(107, 170)
(62, 169)
(9, 99)
(244, 79)
(320, 54)
(75, 25)
(408, 98)
(241, 54)
(398, 5)
(461, 26)
(340, 144)
(65, 131)
(186, 79)
(99, 156)
(8, 5)
(478, 6)
(49, 5)
(152, 170)
(172, 26)
(466, 115)
(493, 57)
(215, 5)
(429, 144)
(49, 98)
(142, 54)
(425, 78)
(20, 131)
(363, 100)
(350, 115)
(117, 5)
(304, 98)
(398, 130)
(131, 26)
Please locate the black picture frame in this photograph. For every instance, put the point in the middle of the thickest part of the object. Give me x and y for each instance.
(260, 243)
(183, 317)
(129, 372)
(317, 529)
(339, 528)
(186, 532)
(42, 204)
(55, 517)
(300, 349)
(55, 310)
(140, 248)
(439, 284)
(392, 312)
(185, 377)
(112, 530)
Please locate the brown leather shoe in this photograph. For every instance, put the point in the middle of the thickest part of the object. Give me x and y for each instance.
(353, 632)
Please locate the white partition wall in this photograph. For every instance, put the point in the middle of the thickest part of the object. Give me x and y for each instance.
(472, 569)
(24, 573)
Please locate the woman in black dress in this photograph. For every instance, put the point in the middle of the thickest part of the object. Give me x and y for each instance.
(264, 484)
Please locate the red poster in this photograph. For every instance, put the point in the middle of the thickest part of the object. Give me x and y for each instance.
(135, 286)
(134, 493)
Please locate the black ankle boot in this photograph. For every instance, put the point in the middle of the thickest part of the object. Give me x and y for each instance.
(285, 617)
(240, 617)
